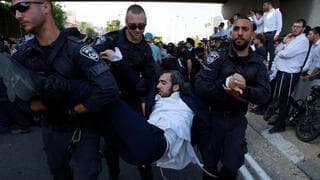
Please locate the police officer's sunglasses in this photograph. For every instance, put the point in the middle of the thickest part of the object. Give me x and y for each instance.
(24, 6)
(135, 26)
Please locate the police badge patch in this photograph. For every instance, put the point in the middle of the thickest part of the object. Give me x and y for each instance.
(212, 57)
(89, 52)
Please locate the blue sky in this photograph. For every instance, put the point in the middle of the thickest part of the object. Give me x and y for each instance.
(172, 21)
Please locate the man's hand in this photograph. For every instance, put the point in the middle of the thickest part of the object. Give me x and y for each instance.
(112, 55)
(80, 108)
(287, 38)
(234, 94)
(37, 106)
(275, 37)
(237, 83)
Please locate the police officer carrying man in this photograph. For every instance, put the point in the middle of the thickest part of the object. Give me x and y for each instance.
(70, 136)
(135, 73)
(228, 82)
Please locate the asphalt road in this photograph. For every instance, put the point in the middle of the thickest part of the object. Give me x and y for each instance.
(22, 157)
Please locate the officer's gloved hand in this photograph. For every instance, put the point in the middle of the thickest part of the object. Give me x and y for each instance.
(112, 55)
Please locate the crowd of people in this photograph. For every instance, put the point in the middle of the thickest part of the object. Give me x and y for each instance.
(149, 101)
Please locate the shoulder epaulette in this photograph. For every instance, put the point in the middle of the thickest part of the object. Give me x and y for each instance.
(75, 39)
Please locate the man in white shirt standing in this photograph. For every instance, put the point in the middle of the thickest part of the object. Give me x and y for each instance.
(313, 63)
(290, 56)
(311, 69)
(272, 25)
(256, 16)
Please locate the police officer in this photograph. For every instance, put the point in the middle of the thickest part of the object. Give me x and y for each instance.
(135, 73)
(228, 82)
(185, 59)
(72, 142)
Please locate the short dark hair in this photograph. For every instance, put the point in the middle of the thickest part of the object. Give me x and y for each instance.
(268, 2)
(135, 9)
(316, 30)
(306, 30)
(176, 77)
(246, 18)
(260, 12)
(304, 23)
(231, 20)
(261, 37)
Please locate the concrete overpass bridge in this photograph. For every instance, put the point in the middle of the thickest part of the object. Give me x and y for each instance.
(291, 9)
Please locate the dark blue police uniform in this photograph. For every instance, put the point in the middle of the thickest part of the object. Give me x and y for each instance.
(72, 60)
(135, 74)
(228, 121)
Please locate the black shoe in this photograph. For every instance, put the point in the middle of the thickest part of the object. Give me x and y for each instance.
(277, 129)
(145, 172)
(272, 123)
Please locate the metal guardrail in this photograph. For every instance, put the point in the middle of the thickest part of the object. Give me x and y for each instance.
(255, 167)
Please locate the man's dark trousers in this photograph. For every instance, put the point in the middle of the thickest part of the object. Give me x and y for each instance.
(227, 145)
(269, 44)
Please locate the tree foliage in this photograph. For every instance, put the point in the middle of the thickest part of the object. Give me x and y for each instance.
(90, 32)
(58, 14)
(86, 28)
(113, 25)
(9, 26)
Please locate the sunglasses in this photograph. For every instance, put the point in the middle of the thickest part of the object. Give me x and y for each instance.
(135, 26)
(24, 6)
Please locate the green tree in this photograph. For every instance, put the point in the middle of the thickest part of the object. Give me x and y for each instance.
(90, 32)
(58, 14)
(196, 40)
(9, 26)
(113, 25)
(86, 28)
(83, 26)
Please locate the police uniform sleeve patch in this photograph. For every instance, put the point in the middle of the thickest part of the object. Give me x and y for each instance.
(212, 57)
(89, 52)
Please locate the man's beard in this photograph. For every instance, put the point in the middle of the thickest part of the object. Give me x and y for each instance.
(240, 47)
(167, 94)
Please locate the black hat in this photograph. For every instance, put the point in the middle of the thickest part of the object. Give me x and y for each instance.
(182, 44)
(191, 41)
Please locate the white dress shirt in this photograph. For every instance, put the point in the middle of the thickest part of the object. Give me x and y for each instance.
(314, 57)
(174, 117)
(290, 56)
(220, 33)
(259, 24)
(271, 21)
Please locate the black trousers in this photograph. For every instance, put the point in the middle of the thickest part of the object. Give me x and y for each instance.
(226, 145)
(269, 44)
(284, 86)
(132, 138)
